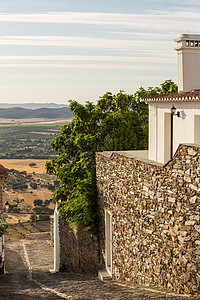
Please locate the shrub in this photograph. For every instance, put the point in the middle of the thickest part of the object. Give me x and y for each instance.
(47, 202)
(51, 187)
(3, 225)
(38, 202)
(16, 210)
(24, 186)
(33, 185)
(32, 164)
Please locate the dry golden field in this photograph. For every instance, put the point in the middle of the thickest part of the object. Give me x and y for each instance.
(32, 121)
(23, 165)
(25, 198)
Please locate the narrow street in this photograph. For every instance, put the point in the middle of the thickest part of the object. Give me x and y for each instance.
(28, 278)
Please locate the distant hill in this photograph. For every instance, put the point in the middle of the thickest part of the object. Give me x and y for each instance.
(46, 113)
(32, 105)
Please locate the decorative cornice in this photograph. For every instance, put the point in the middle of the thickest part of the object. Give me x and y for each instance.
(193, 96)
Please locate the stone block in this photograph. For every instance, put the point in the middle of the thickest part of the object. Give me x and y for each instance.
(190, 223)
(193, 199)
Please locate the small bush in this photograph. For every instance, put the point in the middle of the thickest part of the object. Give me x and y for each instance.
(33, 185)
(38, 202)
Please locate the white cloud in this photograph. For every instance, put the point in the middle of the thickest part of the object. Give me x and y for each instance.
(90, 66)
(139, 43)
(147, 36)
(89, 42)
(162, 21)
(80, 58)
(4, 77)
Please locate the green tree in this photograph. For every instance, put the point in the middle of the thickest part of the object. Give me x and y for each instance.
(116, 122)
(32, 164)
(51, 187)
(33, 185)
(168, 87)
(38, 202)
(46, 202)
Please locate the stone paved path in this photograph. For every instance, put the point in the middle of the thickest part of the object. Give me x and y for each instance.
(28, 262)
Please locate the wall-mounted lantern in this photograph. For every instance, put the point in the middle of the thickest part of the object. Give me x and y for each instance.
(173, 110)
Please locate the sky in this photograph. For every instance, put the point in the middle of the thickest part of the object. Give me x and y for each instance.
(56, 50)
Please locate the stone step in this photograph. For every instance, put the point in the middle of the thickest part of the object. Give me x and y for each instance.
(104, 275)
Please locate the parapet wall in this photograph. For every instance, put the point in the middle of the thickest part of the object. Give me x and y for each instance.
(79, 250)
(155, 218)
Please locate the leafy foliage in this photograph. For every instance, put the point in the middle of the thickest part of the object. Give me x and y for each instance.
(116, 122)
(3, 225)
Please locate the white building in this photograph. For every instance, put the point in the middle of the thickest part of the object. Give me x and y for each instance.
(166, 129)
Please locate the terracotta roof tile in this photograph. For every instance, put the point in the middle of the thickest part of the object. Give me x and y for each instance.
(193, 96)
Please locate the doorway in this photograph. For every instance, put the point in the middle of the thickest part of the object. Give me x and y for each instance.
(108, 245)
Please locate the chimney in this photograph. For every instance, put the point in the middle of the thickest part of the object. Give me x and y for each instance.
(188, 48)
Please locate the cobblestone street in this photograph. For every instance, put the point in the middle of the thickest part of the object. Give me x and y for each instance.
(28, 278)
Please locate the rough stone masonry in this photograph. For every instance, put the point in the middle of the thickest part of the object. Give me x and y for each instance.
(155, 218)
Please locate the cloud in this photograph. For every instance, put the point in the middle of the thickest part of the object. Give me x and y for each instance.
(139, 63)
(90, 66)
(147, 35)
(89, 43)
(154, 20)
(84, 58)
(47, 76)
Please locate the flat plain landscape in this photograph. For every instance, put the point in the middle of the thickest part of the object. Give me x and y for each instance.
(29, 121)
(28, 140)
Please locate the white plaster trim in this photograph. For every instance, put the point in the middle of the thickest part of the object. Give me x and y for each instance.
(108, 269)
(56, 240)
(156, 132)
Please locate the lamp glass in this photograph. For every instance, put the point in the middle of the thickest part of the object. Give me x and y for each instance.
(173, 109)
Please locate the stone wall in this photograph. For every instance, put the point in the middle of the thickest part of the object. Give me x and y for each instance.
(155, 218)
(79, 250)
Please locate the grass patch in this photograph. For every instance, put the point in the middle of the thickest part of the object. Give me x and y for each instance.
(21, 230)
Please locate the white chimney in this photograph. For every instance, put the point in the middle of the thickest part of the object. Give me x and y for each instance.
(188, 48)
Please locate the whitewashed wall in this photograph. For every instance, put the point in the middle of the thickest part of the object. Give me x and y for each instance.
(184, 127)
